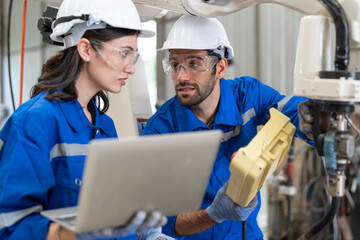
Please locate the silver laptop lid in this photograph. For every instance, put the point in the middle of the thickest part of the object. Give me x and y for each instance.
(167, 173)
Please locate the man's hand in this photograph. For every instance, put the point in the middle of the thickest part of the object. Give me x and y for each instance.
(306, 119)
(223, 208)
(140, 222)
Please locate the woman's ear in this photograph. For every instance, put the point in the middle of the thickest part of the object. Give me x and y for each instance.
(84, 49)
(221, 68)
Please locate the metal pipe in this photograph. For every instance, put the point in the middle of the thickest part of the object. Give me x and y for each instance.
(290, 175)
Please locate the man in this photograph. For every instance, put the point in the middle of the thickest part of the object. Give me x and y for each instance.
(198, 53)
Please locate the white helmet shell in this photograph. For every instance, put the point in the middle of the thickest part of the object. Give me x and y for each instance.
(116, 13)
(198, 33)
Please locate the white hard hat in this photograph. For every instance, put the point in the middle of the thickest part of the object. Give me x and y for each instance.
(201, 33)
(76, 16)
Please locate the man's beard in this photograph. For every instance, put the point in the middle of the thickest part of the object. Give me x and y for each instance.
(199, 96)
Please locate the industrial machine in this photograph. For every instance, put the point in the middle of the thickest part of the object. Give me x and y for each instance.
(333, 89)
(332, 85)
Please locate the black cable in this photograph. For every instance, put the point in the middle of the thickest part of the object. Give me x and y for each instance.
(325, 220)
(342, 34)
(244, 223)
(84, 17)
(8, 54)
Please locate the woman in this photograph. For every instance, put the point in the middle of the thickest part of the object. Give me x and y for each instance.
(44, 143)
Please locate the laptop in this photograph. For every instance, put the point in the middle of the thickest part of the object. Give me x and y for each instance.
(167, 173)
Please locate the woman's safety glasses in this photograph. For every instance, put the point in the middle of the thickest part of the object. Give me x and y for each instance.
(192, 63)
(116, 58)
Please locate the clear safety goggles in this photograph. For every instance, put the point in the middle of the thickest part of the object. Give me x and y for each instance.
(115, 57)
(191, 63)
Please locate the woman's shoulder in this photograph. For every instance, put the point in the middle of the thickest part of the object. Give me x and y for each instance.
(36, 116)
(41, 106)
(37, 108)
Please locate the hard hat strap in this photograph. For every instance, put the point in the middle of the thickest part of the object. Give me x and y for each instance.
(78, 31)
(84, 17)
(221, 51)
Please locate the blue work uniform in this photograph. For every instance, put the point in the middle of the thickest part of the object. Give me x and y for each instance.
(43, 149)
(244, 105)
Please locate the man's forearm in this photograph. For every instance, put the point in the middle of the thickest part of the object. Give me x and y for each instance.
(193, 222)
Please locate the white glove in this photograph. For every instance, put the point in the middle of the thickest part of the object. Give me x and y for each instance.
(223, 208)
(153, 234)
(140, 222)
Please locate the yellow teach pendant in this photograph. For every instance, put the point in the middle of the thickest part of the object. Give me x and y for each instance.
(252, 165)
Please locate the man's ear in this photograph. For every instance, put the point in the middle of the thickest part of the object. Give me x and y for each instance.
(84, 49)
(221, 68)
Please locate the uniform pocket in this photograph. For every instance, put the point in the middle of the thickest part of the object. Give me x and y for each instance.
(68, 179)
(69, 172)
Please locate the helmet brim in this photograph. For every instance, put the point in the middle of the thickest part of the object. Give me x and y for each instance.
(64, 28)
(146, 33)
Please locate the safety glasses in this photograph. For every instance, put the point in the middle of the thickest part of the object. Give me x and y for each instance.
(191, 63)
(115, 57)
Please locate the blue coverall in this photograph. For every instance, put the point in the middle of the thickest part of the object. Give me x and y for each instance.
(43, 148)
(244, 105)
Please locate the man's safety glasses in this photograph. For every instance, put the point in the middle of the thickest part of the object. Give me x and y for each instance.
(192, 63)
(116, 58)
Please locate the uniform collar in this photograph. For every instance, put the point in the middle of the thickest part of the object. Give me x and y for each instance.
(228, 111)
(187, 119)
(76, 118)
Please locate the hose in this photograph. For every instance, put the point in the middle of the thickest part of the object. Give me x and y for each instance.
(22, 51)
(342, 34)
(324, 221)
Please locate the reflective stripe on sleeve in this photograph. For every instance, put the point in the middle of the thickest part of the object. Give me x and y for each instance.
(236, 131)
(282, 103)
(226, 136)
(1, 144)
(10, 218)
(68, 149)
(248, 115)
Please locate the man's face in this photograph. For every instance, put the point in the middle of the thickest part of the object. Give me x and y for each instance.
(193, 76)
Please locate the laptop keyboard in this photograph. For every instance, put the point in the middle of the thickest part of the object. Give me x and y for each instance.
(67, 219)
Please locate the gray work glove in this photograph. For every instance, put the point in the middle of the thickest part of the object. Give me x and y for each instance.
(140, 222)
(306, 119)
(223, 208)
(153, 234)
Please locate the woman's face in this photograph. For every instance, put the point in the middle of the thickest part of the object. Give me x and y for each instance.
(112, 62)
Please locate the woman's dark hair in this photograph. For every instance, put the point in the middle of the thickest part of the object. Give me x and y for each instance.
(58, 74)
